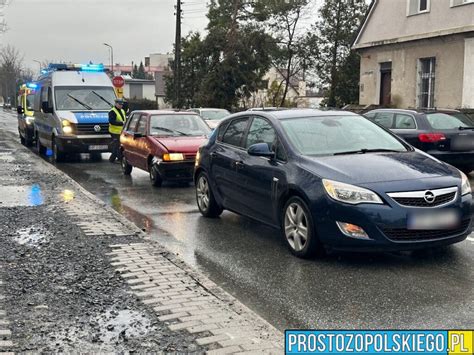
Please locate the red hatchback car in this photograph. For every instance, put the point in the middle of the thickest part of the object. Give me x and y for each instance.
(164, 143)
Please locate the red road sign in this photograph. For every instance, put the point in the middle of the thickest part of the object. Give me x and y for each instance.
(118, 81)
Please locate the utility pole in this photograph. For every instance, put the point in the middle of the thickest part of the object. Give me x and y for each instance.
(177, 55)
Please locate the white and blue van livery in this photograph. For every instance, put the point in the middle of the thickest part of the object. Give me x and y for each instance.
(71, 110)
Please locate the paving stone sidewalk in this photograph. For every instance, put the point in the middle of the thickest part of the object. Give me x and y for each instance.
(183, 299)
(5, 333)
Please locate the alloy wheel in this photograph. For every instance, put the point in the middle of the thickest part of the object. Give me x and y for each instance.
(202, 190)
(296, 226)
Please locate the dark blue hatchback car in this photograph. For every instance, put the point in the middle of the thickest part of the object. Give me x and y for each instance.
(331, 180)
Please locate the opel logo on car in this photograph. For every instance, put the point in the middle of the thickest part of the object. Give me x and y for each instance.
(429, 197)
(97, 128)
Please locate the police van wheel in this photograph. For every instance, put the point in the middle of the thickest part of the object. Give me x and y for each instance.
(155, 177)
(41, 148)
(29, 141)
(58, 155)
(95, 156)
(126, 167)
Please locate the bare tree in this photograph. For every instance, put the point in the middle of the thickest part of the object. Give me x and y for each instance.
(11, 70)
(285, 21)
(3, 24)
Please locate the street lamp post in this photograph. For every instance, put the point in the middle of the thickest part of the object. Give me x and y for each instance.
(111, 57)
(37, 61)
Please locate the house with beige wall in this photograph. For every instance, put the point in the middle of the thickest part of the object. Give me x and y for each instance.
(417, 54)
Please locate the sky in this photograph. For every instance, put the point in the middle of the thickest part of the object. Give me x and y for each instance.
(75, 30)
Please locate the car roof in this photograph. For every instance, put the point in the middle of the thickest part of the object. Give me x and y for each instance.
(165, 112)
(207, 109)
(300, 113)
(420, 110)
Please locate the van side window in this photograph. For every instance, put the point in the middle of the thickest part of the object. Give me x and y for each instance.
(37, 106)
(50, 97)
(44, 94)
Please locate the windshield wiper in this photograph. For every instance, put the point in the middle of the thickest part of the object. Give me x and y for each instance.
(80, 102)
(465, 128)
(169, 130)
(102, 98)
(364, 151)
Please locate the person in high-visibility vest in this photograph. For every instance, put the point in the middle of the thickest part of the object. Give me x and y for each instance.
(117, 118)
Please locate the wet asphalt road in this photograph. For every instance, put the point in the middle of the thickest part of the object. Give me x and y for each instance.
(431, 289)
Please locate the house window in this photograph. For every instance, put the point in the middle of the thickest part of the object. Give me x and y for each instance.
(423, 6)
(426, 82)
(416, 7)
(461, 2)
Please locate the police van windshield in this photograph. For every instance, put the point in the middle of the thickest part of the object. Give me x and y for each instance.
(84, 98)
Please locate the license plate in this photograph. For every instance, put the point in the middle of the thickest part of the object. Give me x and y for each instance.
(462, 143)
(433, 220)
(98, 147)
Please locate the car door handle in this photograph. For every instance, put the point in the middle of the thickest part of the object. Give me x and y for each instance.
(213, 155)
(239, 165)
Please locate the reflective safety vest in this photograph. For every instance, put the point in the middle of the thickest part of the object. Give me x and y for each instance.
(120, 117)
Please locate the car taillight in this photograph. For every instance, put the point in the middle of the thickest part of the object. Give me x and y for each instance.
(431, 137)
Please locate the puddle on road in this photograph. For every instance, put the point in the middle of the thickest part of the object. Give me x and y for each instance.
(120, 325)
(21, 196)
(32, 236)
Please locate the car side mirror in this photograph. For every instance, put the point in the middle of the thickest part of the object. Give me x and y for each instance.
(138, 135)
(45, 107)
(19, 109)
(261, 150)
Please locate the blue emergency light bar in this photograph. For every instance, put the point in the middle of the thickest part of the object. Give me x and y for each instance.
(32, 86)
(75, 67)
(92, 67)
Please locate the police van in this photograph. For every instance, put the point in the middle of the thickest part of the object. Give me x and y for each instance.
(26, 98)
(71, 110)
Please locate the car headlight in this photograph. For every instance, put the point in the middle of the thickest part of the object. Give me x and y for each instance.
(198, 158)
(465, 184)
(173, 157)
(67, 128)
(349, 193)
(29, 120)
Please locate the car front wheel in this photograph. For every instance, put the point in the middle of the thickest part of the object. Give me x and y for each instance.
(205, 198)
(155, 177)
(126, 167)
(298, 229)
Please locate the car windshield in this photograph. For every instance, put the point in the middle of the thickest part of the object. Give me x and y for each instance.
(216, 115)
(332, 135)
(448, 121)
(84, 98)
(29, 101)
(177, 125)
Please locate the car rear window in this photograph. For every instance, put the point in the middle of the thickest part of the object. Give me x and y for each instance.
(384, 119)
(448, 121)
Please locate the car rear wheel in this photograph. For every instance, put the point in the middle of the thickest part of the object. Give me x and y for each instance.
(126, 167)
(155, 177)
(298, 229)
(205, 198)
(39, 146)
